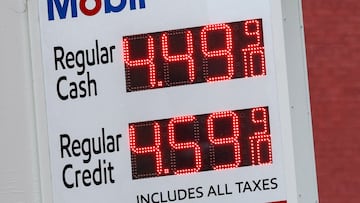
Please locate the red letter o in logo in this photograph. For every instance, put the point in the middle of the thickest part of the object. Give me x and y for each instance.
(90, 12)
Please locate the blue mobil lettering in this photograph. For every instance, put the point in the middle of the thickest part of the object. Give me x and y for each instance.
(62, 7)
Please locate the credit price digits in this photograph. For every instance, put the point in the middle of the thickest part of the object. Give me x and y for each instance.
(195, 143)
(203, 54)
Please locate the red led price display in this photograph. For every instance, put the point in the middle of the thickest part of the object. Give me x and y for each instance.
(209, 53)
(194, 143)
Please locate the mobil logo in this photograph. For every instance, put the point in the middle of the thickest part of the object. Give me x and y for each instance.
(89, 7)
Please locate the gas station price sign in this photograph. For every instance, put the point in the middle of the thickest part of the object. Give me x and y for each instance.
(165, 101)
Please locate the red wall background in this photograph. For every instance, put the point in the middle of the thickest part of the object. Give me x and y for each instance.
(332, 31)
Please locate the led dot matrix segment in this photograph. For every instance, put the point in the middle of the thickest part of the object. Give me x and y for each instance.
(195, 143)
(209, 53)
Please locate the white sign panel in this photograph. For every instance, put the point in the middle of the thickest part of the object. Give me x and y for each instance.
(162, 101)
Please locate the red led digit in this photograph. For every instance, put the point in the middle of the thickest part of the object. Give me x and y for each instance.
(180, 146)
(260, 138)
(188, 56)
(227, 52)
(154, 149)
(253, 50)
(232, 139)
(255, 144)
(256, 33)
(259, 115)
(140, 63)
